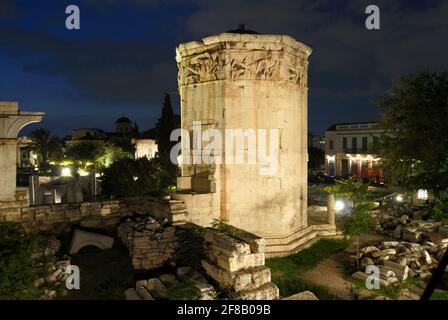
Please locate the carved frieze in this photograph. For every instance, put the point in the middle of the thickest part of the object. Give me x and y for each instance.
(243, 65)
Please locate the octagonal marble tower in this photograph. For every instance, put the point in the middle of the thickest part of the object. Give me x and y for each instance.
(247, 81)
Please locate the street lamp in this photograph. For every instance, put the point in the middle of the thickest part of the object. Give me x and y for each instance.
(339, 205)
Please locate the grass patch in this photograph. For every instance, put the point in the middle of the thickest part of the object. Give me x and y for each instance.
(185, 290)
(439, 295)
(390, 292)
(286, 272)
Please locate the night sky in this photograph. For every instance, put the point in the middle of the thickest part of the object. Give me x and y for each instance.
(123, 58)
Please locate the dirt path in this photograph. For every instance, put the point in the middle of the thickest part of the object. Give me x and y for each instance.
(329, 273)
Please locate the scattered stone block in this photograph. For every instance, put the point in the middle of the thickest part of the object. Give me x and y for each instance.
(207, 291)
(169, 280)
(131, 294)
(156, 288)
(83, 238)
(306, 295)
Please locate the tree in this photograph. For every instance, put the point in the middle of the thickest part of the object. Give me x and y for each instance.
(414, 148)
(17, 272)
(165, 125)
(85, 153)
(360, 219)
(130, 178)
(44, 143)
(111, 153)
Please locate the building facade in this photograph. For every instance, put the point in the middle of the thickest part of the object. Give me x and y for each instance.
(348, 150)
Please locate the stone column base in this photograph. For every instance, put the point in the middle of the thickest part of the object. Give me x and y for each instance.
(300, 240)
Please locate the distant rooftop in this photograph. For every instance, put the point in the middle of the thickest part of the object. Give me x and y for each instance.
(123, 120)
(352, 125)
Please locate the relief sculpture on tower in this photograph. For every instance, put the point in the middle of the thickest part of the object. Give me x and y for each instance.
(250, 65)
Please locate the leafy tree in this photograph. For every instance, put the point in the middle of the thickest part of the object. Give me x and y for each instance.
(17, 273)
(165, 125)
(414, 148)
(45, 144)
(111, 153)
(360, 219)
(128, 177)
(84, 153)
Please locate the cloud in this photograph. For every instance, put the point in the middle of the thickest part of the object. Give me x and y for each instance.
(349, 63)
(133, 72)
(8, 9)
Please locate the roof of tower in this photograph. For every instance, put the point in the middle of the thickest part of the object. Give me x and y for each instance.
(242, 30)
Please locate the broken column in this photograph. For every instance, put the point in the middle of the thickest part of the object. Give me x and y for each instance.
(12, 120)
(330, 209)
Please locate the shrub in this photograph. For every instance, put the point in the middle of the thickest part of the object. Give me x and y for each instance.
(225, 228)
(191, 247)
(130, 178)
(440, 211)
(17, 273)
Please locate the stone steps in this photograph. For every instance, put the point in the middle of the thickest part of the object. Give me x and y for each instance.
(300, 240)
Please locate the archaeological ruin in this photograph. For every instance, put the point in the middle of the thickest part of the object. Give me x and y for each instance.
(248, 82)
(12, 120)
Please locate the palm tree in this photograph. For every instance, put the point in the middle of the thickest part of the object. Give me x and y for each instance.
(44, 143)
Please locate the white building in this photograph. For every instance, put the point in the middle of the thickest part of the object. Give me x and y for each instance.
(348, 150)
(144, 147)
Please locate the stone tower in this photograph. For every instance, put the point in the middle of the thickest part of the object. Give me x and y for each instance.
(247, 81)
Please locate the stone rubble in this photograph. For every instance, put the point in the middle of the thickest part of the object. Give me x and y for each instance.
(151, 243)
(399, 260)
(157, 288)
(238, 262)
(306, 295)
(411, 224)
(55, 273)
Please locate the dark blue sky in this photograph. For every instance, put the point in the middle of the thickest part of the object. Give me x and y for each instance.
(123, 58)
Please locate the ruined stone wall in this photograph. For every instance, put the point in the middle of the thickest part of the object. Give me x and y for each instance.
(91, 214)
(151, 242)
(237, 261)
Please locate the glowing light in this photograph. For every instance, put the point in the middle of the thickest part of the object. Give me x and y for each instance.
(422, 194)
(339, 205)
(83, 173)
(34, 156)
(331, 158)
(358, 157)
(399, 198)
(66, 172)
(135, 178)
(97, 175)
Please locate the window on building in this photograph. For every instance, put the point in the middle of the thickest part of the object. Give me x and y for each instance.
(364, 144)
(331, 144)
(354, 144)
(344, 143)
